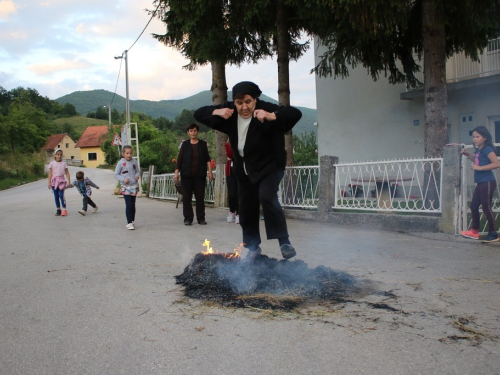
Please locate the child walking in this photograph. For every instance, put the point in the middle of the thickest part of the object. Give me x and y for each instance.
(127, 172)
(484, 161)
(84, 187)
(58, 173)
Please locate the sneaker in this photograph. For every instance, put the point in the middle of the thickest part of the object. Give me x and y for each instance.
(130, 226)
(82, 212)
(188, 222)
(64, 213)
(95, 210)
(287, 251)
(231, 217)
(253, 255)
(58, 213)
(237, 219)
(491, 237)
(470, 234)
(203, 222)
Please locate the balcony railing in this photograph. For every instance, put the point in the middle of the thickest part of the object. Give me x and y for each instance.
(460, 67)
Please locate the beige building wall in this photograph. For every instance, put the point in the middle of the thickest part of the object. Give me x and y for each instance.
(68, 146)
(87, 155)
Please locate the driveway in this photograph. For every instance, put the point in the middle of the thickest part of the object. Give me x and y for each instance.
(83, 295)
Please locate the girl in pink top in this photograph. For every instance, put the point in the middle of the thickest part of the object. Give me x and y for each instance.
(58, 179)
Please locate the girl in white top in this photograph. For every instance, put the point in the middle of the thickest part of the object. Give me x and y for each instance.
(58, 180)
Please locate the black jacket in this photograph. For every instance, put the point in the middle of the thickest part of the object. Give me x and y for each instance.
(184, 159)
(265, 143)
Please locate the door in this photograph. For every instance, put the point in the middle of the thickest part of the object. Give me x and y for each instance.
(466, 122)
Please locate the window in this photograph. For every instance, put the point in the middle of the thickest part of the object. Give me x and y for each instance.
(72, 157)
(92, 156)
(67, 145)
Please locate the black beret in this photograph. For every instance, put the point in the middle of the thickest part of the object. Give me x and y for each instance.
(248, 88)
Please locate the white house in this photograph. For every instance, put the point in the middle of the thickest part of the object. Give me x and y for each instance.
(363, 120)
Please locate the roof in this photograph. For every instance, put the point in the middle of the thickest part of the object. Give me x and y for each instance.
(55, 140)
(93, 136)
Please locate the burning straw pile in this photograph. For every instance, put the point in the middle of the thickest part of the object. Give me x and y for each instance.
(265, 284)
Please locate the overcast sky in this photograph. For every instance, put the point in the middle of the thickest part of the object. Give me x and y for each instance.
(61, 46)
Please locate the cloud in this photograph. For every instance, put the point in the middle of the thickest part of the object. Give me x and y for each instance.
(7, 7)
(74, 50)
(51, 67)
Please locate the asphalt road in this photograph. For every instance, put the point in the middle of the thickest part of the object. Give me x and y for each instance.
(82, 295)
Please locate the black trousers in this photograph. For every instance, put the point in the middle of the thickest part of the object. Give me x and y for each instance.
(232, 193)
(196, 185)
(130, 207)
(87, 201)
(264, 192)
(482, 196)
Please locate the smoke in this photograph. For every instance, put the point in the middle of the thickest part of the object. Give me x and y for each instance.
(215, 277)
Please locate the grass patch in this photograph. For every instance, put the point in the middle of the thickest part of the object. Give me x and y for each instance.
(17, 169)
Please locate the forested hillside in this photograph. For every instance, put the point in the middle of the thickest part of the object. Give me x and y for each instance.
(89, 101)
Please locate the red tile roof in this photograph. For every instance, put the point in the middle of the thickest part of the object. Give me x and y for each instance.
(93, 136)
(54, 140)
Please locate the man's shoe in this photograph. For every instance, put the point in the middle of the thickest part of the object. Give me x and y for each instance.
(237, 219)
(82, 212)
(491, 237)
(470, 234)
(203, 222)
(130, 226)
(252, 255)
(58, 213)
(95, 210)
(287, 251)
(187, 222)
(231, 217)
(64, 213)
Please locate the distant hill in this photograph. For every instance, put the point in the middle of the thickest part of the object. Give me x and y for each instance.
(88, 101)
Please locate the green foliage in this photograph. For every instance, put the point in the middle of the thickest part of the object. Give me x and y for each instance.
(384, 36)
(17, 168)
(159, 152)
(305, 149)
(25, 128)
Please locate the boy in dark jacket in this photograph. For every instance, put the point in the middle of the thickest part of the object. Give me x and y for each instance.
(84, 187)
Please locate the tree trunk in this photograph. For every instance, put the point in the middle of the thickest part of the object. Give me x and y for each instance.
(219, 96)
(284, 71)
(435, 93)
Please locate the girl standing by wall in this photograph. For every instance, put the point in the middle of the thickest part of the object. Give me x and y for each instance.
(484, 161)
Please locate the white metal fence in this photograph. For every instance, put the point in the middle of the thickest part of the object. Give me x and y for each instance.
(299, 187)
(163, 187)
(412, 185)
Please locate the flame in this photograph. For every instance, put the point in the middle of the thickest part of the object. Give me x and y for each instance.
(209, 250)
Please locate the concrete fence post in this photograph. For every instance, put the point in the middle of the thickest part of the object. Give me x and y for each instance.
(326, 185)
(450, 194)
(150, 178)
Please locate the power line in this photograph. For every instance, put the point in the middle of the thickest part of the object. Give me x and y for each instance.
(145, 27)
(142, 32)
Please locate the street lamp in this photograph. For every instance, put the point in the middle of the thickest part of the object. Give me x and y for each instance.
(109, 113)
